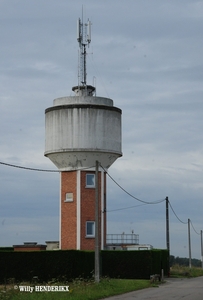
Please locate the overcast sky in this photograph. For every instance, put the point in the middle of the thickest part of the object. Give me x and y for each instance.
(148, 57)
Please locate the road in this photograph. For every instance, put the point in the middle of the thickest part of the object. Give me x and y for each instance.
(176, 289)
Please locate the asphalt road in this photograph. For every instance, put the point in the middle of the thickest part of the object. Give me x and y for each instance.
(176, 289)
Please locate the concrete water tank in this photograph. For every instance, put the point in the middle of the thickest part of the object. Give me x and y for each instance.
(81, 129)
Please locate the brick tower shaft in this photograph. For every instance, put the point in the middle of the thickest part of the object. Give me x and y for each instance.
(78, 210)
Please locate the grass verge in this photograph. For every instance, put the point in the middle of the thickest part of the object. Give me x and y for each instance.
(79, 290)
(182, 271)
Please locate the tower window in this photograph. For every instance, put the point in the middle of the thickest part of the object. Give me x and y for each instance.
(90, 229)
(90, 180)
(69, 197)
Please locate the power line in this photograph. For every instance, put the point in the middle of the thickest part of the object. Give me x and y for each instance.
(37, 169)
(194, 228)
(145, 202)
(125, 208)
(27, 168)
(176, 214)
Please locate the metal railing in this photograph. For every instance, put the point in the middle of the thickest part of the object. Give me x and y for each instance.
(122, 239)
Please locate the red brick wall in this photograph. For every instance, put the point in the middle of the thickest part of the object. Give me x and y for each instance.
(68, 211)
(87, 211)
(30, 248)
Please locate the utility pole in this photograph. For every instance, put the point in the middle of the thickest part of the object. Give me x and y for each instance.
(201, 248)
(167, 226)
(96, 264)
(167, 235)
(189, 242)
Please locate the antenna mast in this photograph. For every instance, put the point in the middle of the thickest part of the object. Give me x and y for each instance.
(84, 39)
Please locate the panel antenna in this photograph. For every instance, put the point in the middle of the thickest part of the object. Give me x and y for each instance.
(84, 39)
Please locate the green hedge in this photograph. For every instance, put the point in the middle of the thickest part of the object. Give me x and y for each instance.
(23, 266)
(6, 249)
(134, 264)
(70, 264)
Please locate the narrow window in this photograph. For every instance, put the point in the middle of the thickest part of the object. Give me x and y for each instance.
(90, 180)
(69, 197)
(90, 229)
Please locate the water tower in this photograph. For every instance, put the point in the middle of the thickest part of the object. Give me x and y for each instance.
(81, 130)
